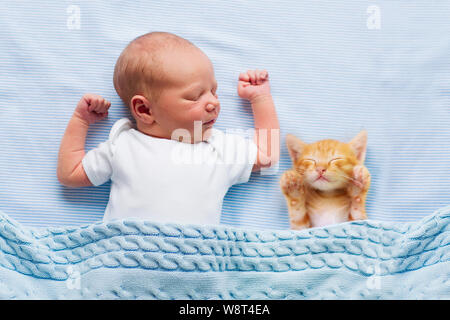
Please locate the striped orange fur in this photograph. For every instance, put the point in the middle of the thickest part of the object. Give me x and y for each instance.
(328, 182)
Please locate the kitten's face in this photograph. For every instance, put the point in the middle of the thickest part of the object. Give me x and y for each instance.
(327, 165)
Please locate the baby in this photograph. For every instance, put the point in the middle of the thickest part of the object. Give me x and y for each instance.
(170, 88)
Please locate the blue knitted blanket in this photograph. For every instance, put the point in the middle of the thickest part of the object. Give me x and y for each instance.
(131, 259)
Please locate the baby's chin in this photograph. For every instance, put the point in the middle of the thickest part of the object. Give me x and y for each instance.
(207, 133)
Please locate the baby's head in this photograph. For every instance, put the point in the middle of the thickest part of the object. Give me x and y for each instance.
(168, 84)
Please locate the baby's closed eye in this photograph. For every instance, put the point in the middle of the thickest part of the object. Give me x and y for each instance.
(196, 96)
(193, 97)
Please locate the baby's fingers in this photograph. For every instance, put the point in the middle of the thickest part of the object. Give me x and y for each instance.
(243, 84)
(99, 105)
(244, 77)
(262, 76)
(252, 76)
(255, 77)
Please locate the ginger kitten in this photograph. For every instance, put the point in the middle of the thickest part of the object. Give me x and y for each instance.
(328, 182)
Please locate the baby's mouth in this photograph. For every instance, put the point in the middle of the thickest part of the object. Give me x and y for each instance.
(209, 123)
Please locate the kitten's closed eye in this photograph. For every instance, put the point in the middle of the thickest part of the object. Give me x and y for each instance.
(310, 160)
(329, 162)
(334, 160)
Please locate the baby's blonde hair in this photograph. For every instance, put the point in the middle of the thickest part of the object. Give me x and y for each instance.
(139, 68)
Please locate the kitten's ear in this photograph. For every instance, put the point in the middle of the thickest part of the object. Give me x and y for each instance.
(295, 147)
(359, 145)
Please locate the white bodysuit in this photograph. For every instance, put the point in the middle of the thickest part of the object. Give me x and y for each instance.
(166, 180)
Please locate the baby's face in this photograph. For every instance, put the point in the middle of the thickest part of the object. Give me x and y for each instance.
(189, 94)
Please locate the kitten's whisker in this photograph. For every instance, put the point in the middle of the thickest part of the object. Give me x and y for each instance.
(345, 177)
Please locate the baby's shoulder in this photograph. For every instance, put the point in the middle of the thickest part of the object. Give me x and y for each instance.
(118, 127)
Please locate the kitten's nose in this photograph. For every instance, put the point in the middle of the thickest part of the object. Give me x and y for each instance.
(321, 170)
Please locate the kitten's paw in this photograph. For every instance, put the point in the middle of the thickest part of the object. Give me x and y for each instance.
(291, 184)
(360, 182)
(300, 226)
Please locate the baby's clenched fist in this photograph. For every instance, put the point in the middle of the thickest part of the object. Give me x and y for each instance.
(92, 108)
(253, 84)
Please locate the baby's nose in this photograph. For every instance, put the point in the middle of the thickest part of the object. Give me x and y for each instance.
(210, 107)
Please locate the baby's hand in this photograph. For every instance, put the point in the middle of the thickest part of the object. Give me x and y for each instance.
(92, 108)
(253, 83)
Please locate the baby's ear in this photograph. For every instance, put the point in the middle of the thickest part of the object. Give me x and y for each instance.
(141, 109)
(359, 145)
(295, 147)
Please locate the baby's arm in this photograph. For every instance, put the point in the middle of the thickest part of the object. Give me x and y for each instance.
(90, 109)
(254, 86)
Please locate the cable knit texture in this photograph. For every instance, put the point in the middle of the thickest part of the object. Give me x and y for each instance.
(132, 259)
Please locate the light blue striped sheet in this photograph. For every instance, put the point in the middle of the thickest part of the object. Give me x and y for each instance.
(331, 76)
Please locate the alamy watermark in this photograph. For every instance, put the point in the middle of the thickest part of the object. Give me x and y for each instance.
(374, 18)
(74, 18)
(374, 281)
(73, 282)
(234, 146)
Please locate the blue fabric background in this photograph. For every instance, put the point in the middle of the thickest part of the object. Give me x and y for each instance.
(331, 76)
